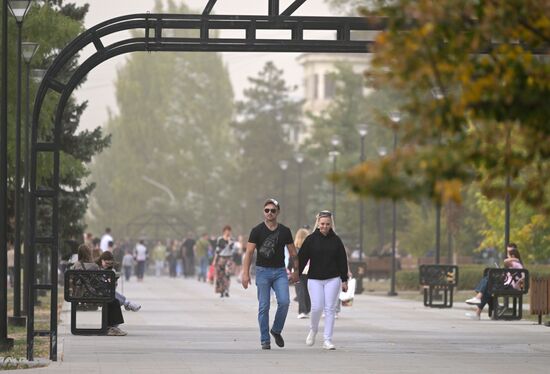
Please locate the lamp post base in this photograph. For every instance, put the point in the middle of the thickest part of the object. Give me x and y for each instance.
(6, 344)
(390, 293)
(17, 321)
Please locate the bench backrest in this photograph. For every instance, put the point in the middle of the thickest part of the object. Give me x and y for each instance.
(438, 275)
(92, 286)
(507, 281)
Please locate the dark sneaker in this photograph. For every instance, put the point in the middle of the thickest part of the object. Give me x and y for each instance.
(266, 346)
(278, 338)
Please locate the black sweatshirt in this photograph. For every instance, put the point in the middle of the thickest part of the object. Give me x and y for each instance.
(326, 254)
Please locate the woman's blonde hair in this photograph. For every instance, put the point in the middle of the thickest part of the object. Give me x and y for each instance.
(324, 213)
(300, 236)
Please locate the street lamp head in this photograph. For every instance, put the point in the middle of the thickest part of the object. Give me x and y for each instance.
(395, 116)
(438, 93)
(335, 141)
(28, 49)
(299, 157)
(382, 151)
(38, 74)
(19, 9)
(363, 129)
(283, 164)
(333, 154)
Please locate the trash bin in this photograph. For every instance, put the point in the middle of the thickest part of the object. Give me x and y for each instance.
(358, 269)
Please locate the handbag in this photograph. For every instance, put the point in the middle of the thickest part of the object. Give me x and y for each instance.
(347, 297)
(211, 273)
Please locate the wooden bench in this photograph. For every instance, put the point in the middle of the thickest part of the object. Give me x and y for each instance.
(378, 267)
(500, 284)
(435, 279)
(89, 287)
(540, 296)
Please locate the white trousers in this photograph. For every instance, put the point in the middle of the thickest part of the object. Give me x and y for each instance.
(324, 297)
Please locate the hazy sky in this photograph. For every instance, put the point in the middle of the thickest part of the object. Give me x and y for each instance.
(99, 88)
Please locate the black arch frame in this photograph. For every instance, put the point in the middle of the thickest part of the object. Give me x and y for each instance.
(156, 38)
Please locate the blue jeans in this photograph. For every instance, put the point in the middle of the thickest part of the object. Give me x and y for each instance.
(267, 279)
(486, 296)
(203, 267)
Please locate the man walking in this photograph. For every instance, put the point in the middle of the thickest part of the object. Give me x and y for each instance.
(270, 238)
(105, 239)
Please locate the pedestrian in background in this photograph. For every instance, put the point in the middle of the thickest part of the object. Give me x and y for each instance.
(327, 275)
(127, 265)
(173, 259)
(222, 259)
(201, 249)
(140, 254)
(304, 303)
(159, 257)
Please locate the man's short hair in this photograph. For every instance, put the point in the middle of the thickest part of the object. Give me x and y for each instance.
(274, 202)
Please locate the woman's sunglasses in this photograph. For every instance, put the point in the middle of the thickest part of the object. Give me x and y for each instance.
(325, 213)
(267, 210)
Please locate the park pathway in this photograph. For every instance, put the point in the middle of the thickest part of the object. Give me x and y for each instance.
(184, 327)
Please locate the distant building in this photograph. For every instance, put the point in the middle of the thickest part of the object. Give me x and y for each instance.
(318, 84)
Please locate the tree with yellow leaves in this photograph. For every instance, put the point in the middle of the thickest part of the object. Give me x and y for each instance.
(475, 83)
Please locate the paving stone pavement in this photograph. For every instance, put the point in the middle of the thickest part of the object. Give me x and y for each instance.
(183, 327)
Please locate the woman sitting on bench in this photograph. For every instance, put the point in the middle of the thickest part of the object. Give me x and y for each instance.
(512, 261)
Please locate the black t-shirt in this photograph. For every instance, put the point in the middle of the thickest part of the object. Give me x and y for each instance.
(270, 245)
(188, 245)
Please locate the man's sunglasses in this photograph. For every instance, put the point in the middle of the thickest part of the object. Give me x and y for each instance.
(267, 210)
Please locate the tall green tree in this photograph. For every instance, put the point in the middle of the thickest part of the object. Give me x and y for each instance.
(263, 122)
(172, 148)
(53, 24)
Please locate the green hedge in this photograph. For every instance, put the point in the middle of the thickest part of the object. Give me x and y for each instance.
(468, 276)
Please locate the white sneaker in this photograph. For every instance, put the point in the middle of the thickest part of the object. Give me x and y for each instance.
(132, 306)
(302, 316)
(474, 316)
(473, 301)
(310, 340)
(328, 345)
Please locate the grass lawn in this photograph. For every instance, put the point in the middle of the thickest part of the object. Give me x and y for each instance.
(42, 322)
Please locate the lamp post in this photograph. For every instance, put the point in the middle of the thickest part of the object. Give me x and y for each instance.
(19, 9)
(283, 164)
(243, 212)
(439, 95)
(395, 117)
(299, 157)
(333, 155)
(382, 152)
(5, 342)
(29, 49)
(363, 130)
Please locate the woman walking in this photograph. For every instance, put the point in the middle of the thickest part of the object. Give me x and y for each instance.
(327, 275)
(304, 303)
(222, 258)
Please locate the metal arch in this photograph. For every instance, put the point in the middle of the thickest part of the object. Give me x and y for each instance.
(160, 41)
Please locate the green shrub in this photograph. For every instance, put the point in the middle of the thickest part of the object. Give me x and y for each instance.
(468, 278)
(407, 280)
(539, 270)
